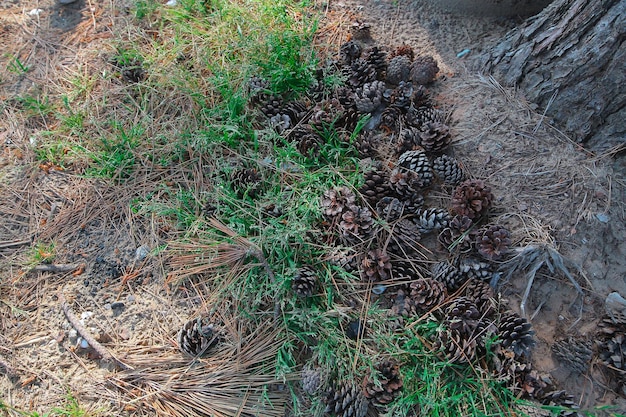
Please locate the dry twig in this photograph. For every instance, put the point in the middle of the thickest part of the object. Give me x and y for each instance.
(101, 350)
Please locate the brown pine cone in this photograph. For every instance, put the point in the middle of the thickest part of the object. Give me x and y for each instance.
(407, 139)
(458, 236)
(421, 296)
(377, 59)
(493, 242)
(435, 137)
(424, 70)
(356, 224)
(376, 185)
(246, 181)
(516, 333)
(360, 72)
(482, 295)
(391, 118)
(376, 265)
(405, 183)
(196, 337)
(388, 386)
(472, 198)
(337, 200)
(404, 238)
(349, 52)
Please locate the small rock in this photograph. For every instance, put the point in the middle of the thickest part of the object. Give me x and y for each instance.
(118, 305)
(142, 252)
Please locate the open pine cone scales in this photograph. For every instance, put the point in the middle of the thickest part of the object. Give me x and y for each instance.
(196, 337)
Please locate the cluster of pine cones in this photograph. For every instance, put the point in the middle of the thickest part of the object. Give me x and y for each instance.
(382, 226)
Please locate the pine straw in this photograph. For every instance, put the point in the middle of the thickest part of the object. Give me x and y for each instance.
(237, 378)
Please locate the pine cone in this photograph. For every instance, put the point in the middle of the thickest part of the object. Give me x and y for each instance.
(401, 96)
(304, 281)
(405, 184)
(390, 209)
(296, 111)
(417, 161)
(336, 201)
(407, 139)
(432, 218)
(356, 224)
(391, 118)
(472, 198)
(376, 185)
(360, 72)
(388, 386)
(460, 336)
(473, 268)
(308, 141)
(493, 242)
(412, 203)
(246, 181)
(311, 379)
(376, 265)
(349, 52)
(435, 137)
(258, 90)
(369, 97)
(448, 170)
(515, 333)
(611, 345)
(421, 296)
(404, 239)
(346, 400)
(560, 398)
(403, 270)
(399, 69)
(368, 143)
(458, 236)
(424, 70)
(271, 106)
(419, 117)
(196, 337)
(448, 274)
(482, 295)
(377, 59)
(574, 352)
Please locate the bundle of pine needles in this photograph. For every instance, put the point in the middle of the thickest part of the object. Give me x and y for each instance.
(238, 379)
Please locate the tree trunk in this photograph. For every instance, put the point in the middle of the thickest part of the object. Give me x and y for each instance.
(570, 59)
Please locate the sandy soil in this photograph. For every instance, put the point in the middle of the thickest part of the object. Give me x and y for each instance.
(549, 191)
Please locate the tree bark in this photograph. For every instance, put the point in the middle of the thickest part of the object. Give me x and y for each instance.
(570, 59)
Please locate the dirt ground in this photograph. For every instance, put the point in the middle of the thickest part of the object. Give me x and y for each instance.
(549, 191)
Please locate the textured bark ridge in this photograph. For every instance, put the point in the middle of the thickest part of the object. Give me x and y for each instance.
(571, 60)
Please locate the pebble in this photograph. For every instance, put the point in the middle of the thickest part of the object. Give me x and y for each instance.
(83, 343)
(142, 252)
(117, 305)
